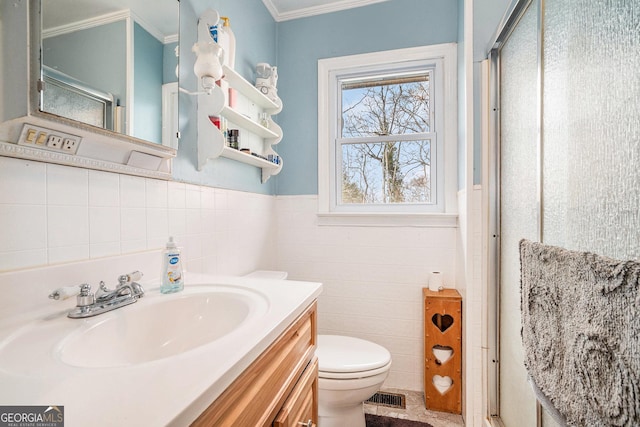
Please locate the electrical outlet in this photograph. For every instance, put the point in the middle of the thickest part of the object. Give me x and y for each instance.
(70, 145)
(48, 139)
(54, 141)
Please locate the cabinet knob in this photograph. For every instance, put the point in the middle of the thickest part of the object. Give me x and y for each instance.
(307, 424)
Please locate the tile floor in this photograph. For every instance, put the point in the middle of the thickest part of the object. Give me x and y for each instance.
(415, 410)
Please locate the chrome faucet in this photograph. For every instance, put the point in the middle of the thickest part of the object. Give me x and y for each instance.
(89, 304)
(126, 286)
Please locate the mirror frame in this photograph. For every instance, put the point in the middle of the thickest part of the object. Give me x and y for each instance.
(109, 151)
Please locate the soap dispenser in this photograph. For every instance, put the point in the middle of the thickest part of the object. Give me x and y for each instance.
(227, 41)
(172, 274)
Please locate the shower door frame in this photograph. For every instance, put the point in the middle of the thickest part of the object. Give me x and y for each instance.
(512, 17)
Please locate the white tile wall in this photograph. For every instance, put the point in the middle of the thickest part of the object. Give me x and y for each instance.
(373, 276)
(373, 279)
(52, 214)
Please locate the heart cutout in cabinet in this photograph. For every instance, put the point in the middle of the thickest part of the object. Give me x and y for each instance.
(442, 384)
(442, 353)
(442, 322)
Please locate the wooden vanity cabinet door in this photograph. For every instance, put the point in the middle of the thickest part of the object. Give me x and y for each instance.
(301, 406)
(256, 396)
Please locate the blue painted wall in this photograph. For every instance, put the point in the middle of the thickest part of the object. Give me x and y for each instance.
(384, 26)
(487, 15)
(14, 44)
(255, 32)
(147, 85)
(169, 63)
(95, 56)
(295, 46)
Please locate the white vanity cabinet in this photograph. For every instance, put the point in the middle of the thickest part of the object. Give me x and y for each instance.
(250, 114)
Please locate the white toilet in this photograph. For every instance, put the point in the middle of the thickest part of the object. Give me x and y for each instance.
(351, 370)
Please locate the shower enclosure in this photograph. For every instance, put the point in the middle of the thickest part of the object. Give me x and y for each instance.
(566, 156)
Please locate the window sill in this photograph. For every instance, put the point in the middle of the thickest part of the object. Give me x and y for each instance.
(374, 219)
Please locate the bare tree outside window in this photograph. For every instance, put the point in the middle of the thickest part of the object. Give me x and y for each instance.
(394, 114)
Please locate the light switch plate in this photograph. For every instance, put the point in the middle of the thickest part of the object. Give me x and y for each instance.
(49, 139)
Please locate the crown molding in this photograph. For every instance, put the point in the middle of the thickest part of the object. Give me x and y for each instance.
(305, 12)
(109, 18)
(86, 23)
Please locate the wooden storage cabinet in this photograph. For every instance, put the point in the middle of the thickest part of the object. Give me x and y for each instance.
(278, 387)
(443, 331)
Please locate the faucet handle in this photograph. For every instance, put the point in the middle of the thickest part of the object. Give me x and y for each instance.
(131, 277)
(137, 290)
(65, 292)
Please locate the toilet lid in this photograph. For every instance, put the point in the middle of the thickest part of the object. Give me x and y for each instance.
(338, 353)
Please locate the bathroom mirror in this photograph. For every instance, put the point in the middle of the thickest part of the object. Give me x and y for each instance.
(110, 66)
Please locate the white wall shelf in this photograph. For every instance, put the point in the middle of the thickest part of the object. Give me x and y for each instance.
(232, 153)
(239, 83)
(211, 141)
(245, 122)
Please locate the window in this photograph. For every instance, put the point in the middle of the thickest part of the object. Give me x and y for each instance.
(384, 146)
(386, 141)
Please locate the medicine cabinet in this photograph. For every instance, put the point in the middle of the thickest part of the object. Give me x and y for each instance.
(28, 131)
(249, 111)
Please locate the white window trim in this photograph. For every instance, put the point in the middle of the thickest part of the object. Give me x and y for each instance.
(327, 68)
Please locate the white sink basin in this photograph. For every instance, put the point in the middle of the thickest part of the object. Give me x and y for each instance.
(156, 327)
(164, 357)
(162, 329)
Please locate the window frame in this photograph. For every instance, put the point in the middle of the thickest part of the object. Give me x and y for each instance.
(331, 72)
(337, 141)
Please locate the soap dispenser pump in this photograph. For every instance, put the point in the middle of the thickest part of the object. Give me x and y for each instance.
(172, 274)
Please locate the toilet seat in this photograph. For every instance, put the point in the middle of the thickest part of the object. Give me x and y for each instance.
(353, 375)
(342, 357)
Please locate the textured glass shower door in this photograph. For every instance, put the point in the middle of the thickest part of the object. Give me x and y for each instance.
(591, 169)
(577, 183)
(519, 213)
(591, 138)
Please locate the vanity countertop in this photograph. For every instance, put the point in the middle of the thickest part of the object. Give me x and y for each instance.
(172, 390)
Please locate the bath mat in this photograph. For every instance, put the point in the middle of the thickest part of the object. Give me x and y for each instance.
(581, 333)
(379, 421)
